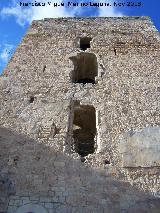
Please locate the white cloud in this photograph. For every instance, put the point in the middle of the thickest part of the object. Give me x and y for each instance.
(108, 11)
(5, 52)
(25, 15)
(50, 12)
(22, 15)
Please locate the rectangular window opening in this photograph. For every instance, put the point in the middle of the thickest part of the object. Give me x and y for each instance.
(85, 43)
(84, 129)
(85, 68)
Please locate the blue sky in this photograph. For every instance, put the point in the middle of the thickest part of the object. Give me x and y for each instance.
(15, 19)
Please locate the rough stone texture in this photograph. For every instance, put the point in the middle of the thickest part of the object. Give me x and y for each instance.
(141, 148)
(38, 161)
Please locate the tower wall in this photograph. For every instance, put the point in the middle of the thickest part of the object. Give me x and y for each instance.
(38, 101)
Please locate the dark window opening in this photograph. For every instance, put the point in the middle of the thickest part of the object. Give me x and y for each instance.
(85, 81)
(106, 162)
(85, 43)
(44, 68)
(115, 51)
(84, 130)
(31, 100)
(85, 68)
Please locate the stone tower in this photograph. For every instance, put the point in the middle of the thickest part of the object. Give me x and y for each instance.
(80, 118)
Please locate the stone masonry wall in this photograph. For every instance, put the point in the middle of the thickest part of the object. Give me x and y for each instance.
(56, 182)
(37, 101)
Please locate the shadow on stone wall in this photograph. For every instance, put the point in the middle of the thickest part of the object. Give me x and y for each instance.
(30, 168)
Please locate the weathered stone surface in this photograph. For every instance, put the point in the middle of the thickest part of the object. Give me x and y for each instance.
(141, 149)
(31, 208)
